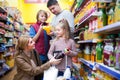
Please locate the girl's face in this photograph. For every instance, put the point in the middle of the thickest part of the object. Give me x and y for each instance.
(31, 44)
(42, 17)
(59, 31)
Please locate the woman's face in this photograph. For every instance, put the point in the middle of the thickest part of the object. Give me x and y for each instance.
(31, 44)
(42, 17)
(59, 31)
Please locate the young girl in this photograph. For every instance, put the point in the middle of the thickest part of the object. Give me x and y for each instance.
(40, 36)
(62, 42)
(27, 61)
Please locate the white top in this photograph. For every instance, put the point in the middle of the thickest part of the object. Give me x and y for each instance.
(66, 15)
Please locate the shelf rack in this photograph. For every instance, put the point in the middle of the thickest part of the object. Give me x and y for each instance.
(77, 37)
(109, 28)
(90, 17)
(112, 28)
(88, 41)
(111, 71)
(81, 6)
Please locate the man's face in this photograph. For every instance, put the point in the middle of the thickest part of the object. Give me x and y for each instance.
(54, 9)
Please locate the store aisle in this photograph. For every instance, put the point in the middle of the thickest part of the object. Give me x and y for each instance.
(9, 75)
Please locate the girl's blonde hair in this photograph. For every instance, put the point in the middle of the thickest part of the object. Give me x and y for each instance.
(22, 43)
(64, 25)
(39, 12)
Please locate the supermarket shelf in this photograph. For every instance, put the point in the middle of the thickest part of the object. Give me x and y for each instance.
(77, 66)
(2, 72)
(8, 54)
(102, 1)
(2, 50)
(109, 28)
(76, 37)
(3, 19)
(88, 63)
(90, 17)
(9, 45)
(81, 6)
(2, 10)
(9, 36)
(88, 41)
(111, 71)
(6, 29)
(2, 61)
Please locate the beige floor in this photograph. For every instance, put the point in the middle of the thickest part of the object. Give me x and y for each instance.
(9, 75)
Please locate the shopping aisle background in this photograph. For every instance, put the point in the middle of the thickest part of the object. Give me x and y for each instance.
(9, 75)
(15, 19)
(25, 7)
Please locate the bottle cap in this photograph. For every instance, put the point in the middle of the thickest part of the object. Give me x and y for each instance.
(68, 66)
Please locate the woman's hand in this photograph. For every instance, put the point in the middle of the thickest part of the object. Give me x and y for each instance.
(54, 61)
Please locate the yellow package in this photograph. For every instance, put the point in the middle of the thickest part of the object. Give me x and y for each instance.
(47, 29)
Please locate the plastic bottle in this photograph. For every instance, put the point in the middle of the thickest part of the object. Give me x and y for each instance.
(109, 51)
(99, 52)
(87, 52)
(67, 73)
(111, 16)
(117, 53)
(104, 17)
(86, 33)
(100, 23)
(117, 11)
(93, 53)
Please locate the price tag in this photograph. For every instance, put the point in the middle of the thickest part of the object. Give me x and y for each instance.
(102, 0)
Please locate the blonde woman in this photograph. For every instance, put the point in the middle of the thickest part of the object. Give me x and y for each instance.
(27, 60)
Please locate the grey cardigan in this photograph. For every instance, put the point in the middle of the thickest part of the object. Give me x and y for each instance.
(60, 45)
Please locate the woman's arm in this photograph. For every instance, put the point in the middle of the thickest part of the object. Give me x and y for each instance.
(25, 66)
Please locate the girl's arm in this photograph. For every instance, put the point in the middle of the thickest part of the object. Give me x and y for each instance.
(72, 51)
(51, 50)
(35, 38)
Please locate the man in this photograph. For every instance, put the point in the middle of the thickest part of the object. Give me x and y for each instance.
(55, 8)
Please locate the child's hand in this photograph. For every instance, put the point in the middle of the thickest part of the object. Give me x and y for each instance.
(67, 51)
(40, 28)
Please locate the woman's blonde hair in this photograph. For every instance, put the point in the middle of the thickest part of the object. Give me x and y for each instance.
(22, 43)
(64, 25)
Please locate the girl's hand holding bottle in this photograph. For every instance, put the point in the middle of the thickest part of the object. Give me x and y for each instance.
(67, 51)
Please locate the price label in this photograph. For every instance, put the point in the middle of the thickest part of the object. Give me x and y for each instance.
(102, 0)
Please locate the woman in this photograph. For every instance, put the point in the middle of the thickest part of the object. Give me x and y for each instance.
(27, 60)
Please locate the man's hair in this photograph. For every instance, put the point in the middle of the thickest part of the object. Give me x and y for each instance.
(51, 2)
